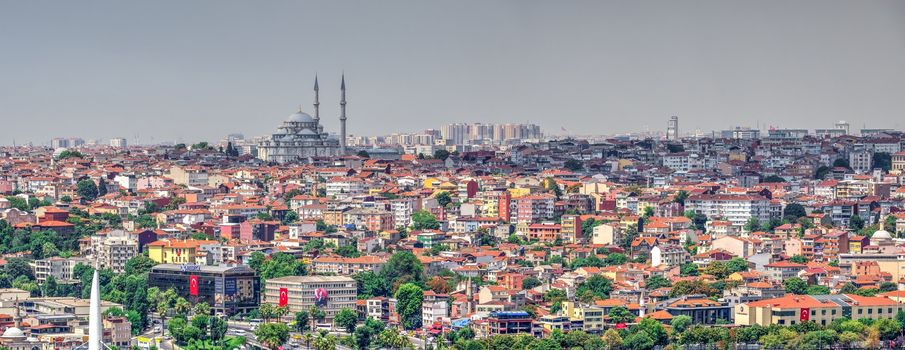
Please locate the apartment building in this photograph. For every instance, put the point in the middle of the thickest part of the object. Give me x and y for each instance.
(434, 308)
(348, 266)
(737, 209)
(370, 219)
(195, 176)
(58, 268)
(113, 249)
(531, 208)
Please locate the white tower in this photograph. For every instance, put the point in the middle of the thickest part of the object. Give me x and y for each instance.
(342, 118)
(656, 257)
(317, 102)
(95, 326)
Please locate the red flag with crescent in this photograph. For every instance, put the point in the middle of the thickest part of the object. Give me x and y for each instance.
(805, 314)
(193, 285)
(284, 296)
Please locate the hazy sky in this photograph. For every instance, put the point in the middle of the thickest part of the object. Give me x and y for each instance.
(198, 70)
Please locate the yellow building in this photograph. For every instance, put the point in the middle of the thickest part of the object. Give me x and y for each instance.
(519, 192)
(591, 316)
(821, 309)
(431, 182)
(173, 251)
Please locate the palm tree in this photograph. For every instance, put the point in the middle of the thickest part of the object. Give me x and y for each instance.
(325, 341)
(391, 338)
(308, 337)
(316, 315)
(273, 334)
(282, 311)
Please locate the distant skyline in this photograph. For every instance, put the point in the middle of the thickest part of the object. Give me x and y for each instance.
(199, 70)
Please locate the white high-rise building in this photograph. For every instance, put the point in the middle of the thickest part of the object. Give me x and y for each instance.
(672, 128)
(118, 142)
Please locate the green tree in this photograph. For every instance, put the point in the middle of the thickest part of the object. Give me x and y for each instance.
(752, 225)
(848, 288)
(794, 211)
(346, 319)
(779, 339)
(795, 285)
(680, 323)
(403, 267)
(443, 198)
(366, 333)
(691, 287)
(817, 290)
(290, 217)
(751, 334)
(657, 282)
(101, 187)
(597, 284)
(371, 284)
(87, 189)
(882, 160)
(773, 179)
(391, 338)
(424, 220)
(798, 259)
(408, 305)
(218, 328)
(301, 321)
(279, 265)
(680, 197)
(274, 335)
(717, 269)
(612, 339)
(620, 314)
(70, 154)
(887, 327)
(573, 165)
(689, 269)
(654, 329)
(441, 154)
(139, 264)
(856, 223)
(639, 341)
(348, 251)
(530, 282)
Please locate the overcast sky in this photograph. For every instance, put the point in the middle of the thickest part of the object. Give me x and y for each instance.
(198, 70)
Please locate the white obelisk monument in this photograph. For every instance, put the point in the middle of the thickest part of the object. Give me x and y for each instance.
(95, 326)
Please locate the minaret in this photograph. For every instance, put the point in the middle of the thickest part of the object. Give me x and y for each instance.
(342, 118)
(317, 103)
(95, 327)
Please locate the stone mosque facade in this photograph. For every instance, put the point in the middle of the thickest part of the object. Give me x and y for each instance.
(302, 136)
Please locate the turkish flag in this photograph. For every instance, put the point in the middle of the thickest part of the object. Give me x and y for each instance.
(805, 314)
(193, 285)
(284, 296)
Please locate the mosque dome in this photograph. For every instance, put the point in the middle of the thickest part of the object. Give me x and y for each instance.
(13, 333)
(300, 117)
(881, 234)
